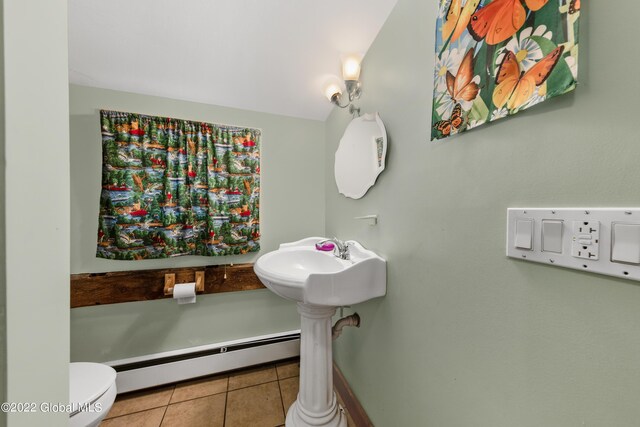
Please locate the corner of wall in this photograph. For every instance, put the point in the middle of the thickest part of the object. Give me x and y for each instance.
(3, 262)
(3, 278)
(35, 208)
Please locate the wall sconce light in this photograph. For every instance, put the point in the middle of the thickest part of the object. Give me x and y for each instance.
(351, 76)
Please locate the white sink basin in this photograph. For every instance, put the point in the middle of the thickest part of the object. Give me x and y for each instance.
(299, 272)
(319, 282)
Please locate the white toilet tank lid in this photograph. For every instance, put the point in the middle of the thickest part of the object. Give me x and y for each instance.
(89, 381)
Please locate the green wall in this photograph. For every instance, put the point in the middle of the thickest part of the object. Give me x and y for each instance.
(3, 271)
(36, 206)
(465, 336)
(292, 178)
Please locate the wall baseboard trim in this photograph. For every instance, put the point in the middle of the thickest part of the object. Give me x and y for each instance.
(170, 367)
(350, 402)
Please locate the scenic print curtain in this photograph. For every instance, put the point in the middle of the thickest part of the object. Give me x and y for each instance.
(495, 58)
(175, 187)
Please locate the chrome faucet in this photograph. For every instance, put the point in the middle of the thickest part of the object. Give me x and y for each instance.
(341, 247)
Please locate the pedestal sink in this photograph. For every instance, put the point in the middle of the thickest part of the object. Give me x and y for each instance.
(319, 282)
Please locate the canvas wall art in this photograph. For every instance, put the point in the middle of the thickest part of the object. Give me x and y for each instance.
(495, 58)
(173, 187)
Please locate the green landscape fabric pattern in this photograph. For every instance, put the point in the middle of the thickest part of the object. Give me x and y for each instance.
(175, 187)
(495, 58)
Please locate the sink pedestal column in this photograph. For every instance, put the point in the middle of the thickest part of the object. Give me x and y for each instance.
(316, 404)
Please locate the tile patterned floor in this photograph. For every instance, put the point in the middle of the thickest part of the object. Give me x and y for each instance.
(257, 397)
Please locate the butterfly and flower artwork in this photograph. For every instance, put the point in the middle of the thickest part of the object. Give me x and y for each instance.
(495, 58)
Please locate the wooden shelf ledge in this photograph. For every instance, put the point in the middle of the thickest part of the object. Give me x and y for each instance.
(146, 285)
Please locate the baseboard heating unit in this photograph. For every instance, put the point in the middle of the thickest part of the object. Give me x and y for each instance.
(172, 366)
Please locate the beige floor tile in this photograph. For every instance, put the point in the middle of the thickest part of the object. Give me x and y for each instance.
(289, 391)
(140, 401)
(259, 405)
(252, 377)
(150, 418)
(288, 369)
(199, 388)
(203, 412)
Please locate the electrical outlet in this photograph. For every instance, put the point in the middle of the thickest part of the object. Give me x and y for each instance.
(585, 242)
(592, 240)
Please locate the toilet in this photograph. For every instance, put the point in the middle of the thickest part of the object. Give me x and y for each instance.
(92, 391)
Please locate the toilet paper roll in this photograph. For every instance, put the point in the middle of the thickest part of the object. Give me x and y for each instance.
(185, 293)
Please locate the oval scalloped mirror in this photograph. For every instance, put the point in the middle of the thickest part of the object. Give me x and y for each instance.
(360, 157)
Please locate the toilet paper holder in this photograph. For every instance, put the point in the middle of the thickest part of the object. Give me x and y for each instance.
(170, 282)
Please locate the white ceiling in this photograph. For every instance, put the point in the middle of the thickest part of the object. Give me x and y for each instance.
(264, 55)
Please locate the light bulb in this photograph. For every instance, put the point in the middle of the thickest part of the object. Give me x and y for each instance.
(331, 90)
(351, 67)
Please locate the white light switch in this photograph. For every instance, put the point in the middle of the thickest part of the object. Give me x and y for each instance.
(592, 240)
(552, 236)
(524, 234)
(625, 242)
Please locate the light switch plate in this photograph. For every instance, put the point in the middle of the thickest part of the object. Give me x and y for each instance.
(597, 231)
